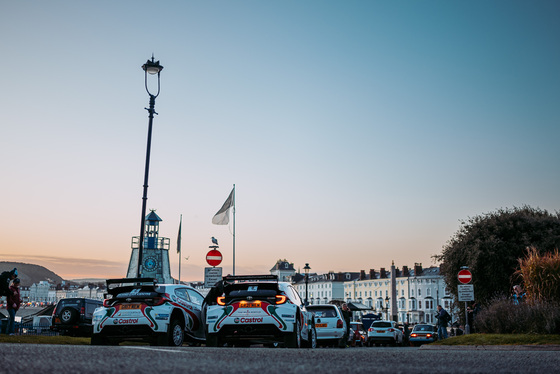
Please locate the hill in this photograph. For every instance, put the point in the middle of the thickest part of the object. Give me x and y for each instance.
(29, 273)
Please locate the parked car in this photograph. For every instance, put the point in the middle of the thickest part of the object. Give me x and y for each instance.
(257, 309)
(384, 332)
(422, 334)
(358, 334)
(330, 325)
(73, 316)
(140, 309)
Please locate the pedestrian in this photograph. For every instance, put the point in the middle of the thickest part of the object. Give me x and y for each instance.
(443, 319)
(5, 278)
(406, 333)
(347, 315)
(13, 301)
(518, 294)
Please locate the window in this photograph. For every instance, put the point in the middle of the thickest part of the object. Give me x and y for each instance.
(402, 292)
(419, 292)
(196, 298)
(429, 292)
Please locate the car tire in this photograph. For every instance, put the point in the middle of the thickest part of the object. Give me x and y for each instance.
(176, 333)
(293, 339)
(312, 338)
(68, 316)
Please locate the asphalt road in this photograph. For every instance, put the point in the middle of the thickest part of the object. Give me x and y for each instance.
(29, 358)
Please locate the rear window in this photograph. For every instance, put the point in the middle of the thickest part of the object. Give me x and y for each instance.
(423, 328)
(323, 312)
(72, 303)
(252, 289)
(381, 324)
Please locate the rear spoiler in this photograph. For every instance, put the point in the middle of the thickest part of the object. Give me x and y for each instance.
(238, 278)
(121, 282)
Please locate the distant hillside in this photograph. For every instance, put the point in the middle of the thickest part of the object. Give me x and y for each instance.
(29, 273)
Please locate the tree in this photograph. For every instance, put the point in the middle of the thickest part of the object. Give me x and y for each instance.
(491, 244)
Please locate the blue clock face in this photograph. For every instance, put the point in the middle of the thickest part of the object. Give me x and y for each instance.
(150, 263)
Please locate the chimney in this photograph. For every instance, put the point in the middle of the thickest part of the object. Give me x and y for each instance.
(382, 273)
(405, 271)
(371, 273)
(362, 275)
(417, 269)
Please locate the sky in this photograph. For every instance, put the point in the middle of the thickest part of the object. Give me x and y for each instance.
(357, 133)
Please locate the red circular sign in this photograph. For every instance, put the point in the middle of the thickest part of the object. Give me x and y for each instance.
(465, 276)
(214, 257)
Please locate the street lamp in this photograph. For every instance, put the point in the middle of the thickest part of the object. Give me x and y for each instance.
(152, 68)
(306, 270)
(387, 307)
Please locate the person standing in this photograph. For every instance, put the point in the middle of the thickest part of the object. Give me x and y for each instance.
(347, 315)
(13, 302)
(406, 333)
(443, 319)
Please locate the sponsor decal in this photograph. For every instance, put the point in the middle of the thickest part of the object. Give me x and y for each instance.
(125, 321)
(288, 315)
(248, 320)
(162, 316)
(212, 317)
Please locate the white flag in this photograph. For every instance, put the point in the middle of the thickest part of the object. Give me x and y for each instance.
(222, 217)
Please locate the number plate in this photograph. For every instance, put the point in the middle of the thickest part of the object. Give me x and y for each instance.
(250, 305)
(130, 306)
(380, 331)
(320, 325)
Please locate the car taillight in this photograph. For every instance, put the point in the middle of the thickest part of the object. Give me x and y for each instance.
(221, 300)
(370, 329)
(281, 299)
(413, 335)
(428, 335)
(159, 300)
(82, 310)
(339, 324)
(391, 330)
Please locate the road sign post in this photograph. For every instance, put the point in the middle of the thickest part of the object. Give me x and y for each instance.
(465, 292)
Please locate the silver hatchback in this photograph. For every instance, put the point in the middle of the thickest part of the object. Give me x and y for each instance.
(330, 325)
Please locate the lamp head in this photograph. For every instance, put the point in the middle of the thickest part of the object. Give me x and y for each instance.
(152, 67)
(306, 268)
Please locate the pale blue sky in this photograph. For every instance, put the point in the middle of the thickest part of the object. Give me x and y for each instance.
(356, 132)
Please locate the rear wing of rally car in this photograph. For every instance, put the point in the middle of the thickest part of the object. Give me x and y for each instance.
(253, 278)
(117, 286)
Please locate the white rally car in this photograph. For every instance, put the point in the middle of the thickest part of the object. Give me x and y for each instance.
(257, 309)
(141, 309)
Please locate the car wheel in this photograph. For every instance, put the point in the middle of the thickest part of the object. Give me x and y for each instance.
(68, 315)
(312, 339)
(175, 335)
(293, 339)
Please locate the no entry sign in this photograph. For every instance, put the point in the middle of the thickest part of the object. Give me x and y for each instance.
(464, 276)
(214, 257)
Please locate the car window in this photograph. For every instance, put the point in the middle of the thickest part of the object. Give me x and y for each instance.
(295, 296)
(322, 312)
(196, 298)
(182, 293)
(74, 303)
(381, 324)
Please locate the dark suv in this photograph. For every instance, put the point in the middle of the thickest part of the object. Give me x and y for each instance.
(73, 316)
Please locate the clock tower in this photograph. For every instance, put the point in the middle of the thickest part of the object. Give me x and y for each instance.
(155, 253)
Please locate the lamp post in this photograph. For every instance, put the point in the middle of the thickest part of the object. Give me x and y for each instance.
(387, 307)
(150, 67)
(306, 270)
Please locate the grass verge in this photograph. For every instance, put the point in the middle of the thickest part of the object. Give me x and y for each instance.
(501, 339)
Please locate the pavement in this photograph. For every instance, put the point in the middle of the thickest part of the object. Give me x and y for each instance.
(527, 347)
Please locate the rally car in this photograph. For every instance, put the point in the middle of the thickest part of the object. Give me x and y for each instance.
(257, 309)
(141, 309)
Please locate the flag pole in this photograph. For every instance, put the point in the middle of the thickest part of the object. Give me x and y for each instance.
(234, 229)
(179, 246)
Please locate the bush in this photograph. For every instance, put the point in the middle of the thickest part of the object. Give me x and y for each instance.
(503, 317)
(541, 275)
